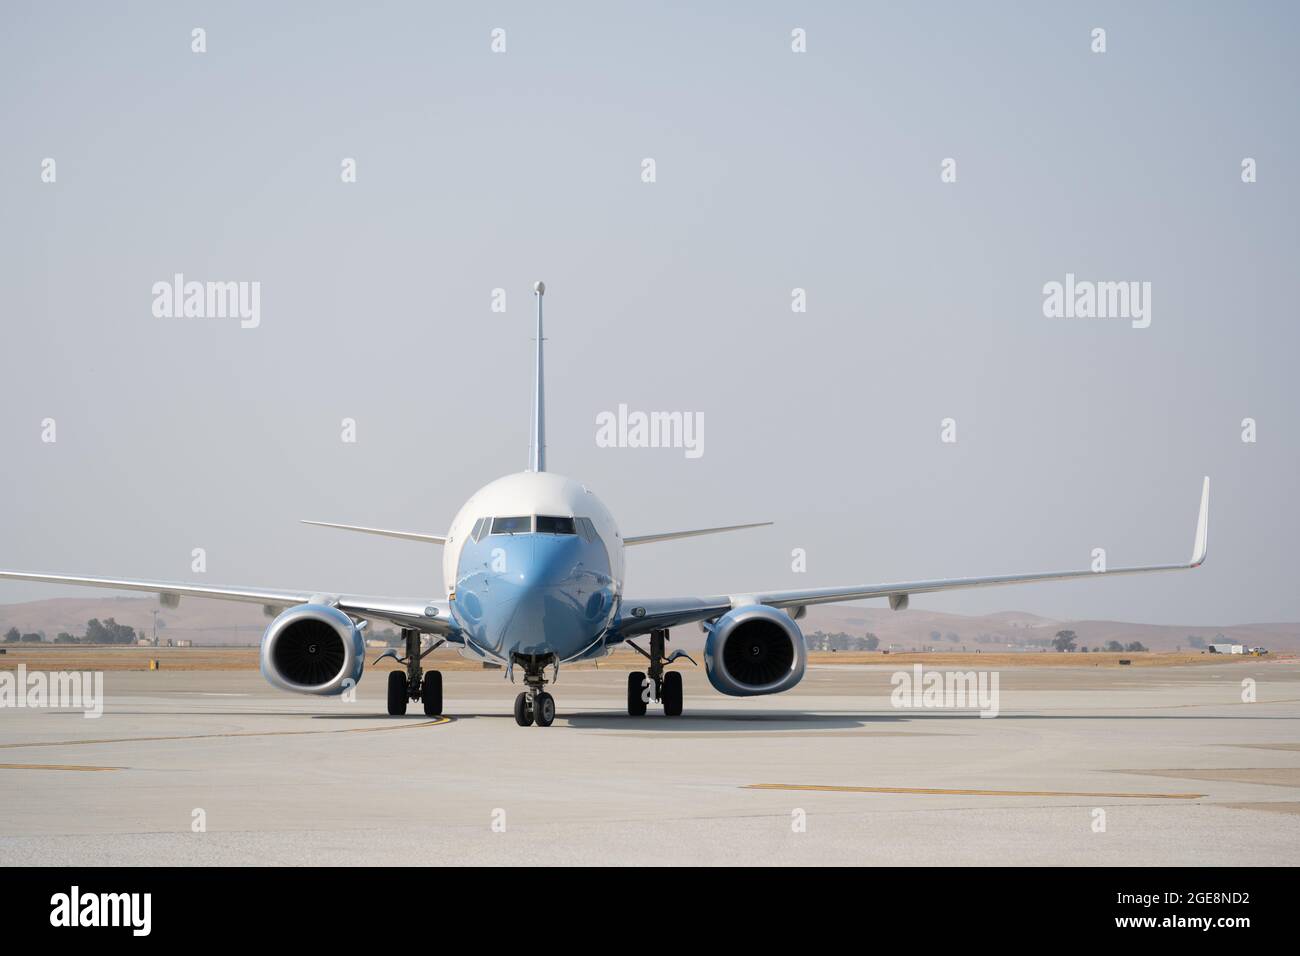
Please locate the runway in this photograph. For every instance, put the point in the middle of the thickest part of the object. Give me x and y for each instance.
(1170, 761)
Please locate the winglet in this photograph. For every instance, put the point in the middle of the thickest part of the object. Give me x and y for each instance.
(1201, 545)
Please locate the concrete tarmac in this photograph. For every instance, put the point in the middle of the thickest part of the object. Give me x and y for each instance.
(1157, 765)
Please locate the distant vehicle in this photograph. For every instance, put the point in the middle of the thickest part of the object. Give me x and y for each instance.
(533, 578)
(1226, 649)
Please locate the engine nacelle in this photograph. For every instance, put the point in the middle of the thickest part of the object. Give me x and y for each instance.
(754, 650)
(313, 649)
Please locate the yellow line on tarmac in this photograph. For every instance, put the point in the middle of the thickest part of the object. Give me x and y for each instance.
(238, 733)
(969, 793)
(51, 766)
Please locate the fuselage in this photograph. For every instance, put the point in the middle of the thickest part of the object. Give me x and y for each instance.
(533, 567)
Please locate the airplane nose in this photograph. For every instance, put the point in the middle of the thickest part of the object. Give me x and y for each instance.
(538, 600)
(537, 594)
(541, 561)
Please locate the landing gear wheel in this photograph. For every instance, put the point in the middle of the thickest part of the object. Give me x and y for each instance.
(544, 709)
(431, 693)
(396, 693)
(523, 713)
(672, 694)
(635, 704)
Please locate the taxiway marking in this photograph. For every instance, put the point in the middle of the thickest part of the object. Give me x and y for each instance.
(437, 721)
(969, 793)
(51, 766)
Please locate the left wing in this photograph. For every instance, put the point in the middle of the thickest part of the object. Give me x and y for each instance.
(642, 617)
(432, 617)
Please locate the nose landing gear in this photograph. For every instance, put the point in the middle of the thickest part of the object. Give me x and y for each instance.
(534, 705)
(659, 684)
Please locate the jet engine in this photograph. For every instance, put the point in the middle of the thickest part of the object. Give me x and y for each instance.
(313, 649)
(754, 650)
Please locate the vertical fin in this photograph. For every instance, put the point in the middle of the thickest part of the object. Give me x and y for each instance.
(537, 449)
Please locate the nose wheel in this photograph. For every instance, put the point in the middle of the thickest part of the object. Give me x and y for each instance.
(656, 683)
(523, 711)
(534, 705)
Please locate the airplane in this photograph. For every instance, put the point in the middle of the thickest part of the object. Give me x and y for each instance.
(533, 576)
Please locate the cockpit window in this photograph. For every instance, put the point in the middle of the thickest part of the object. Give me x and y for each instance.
(586, 529)
(480, 529)
(549, 525)
(518, 525)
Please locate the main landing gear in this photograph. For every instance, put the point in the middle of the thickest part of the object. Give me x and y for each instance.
(659, 684)
(425, 686)
(534, 705)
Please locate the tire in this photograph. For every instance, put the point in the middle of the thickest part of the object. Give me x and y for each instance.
(635, 705)
(523, 713)
(431, 693)
(672, 694)
(396, 693)
(544, 710)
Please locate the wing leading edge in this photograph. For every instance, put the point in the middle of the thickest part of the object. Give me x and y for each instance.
(432, 617)
(684, 610)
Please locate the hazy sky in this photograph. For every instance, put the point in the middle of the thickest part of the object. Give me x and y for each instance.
(774, 170)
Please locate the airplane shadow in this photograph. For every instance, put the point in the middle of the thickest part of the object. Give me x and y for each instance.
(725, 721)
(737, 722)
(713, 720)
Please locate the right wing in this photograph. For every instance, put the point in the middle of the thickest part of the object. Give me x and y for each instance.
(433, 617)
(666, 612)
(169, 589)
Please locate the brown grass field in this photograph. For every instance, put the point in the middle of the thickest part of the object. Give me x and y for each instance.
(105, 658)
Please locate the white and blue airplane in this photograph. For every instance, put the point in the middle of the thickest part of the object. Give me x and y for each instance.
(533, 576)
